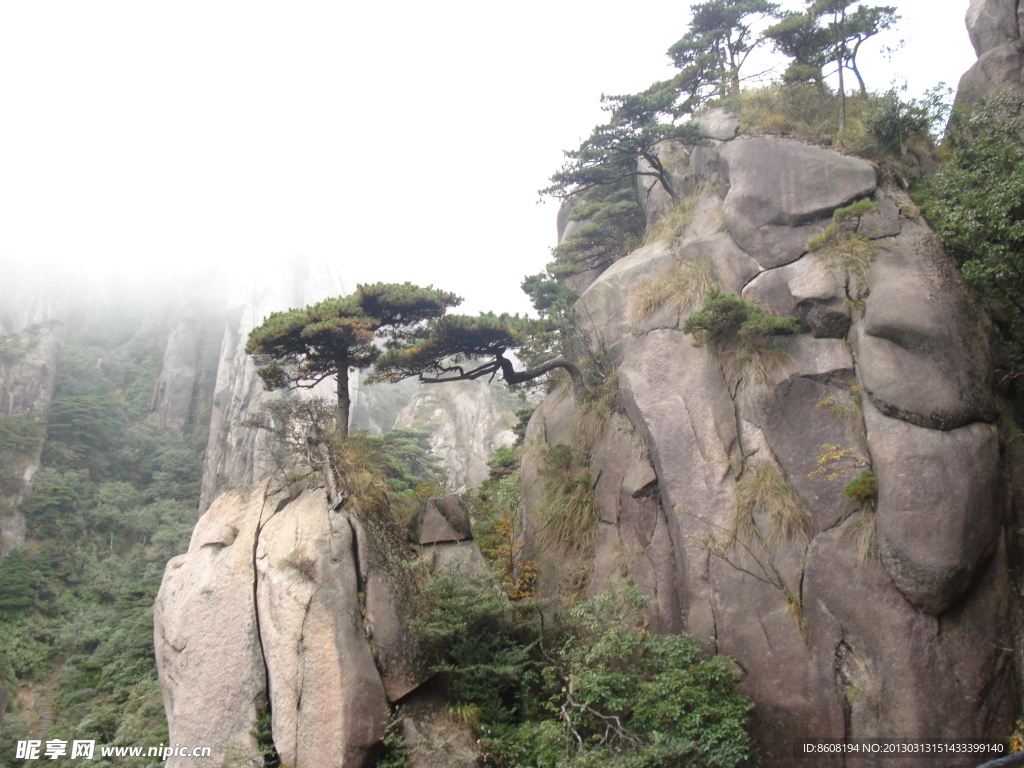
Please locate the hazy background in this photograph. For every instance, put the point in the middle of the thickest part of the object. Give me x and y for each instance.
(402, 140)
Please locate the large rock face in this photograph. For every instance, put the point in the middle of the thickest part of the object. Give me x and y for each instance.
(854, 619)
(28, 372)
(236, 455)
(995, 29)
(468, 422)
(283, 599)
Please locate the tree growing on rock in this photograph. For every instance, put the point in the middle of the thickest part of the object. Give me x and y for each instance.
(303, 347)
(637, 124)
(710, 55)
(463, 348)
(828, 32)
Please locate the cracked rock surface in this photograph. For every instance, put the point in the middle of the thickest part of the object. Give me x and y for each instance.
(282, 599)
(886, 617)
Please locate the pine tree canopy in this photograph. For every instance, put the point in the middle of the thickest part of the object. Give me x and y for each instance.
(463, 347)
(302, 347)
(711, 53)
(637, 124)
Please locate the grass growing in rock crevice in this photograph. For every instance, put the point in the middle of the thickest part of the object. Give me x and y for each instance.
(840, 249)
(763, 490)
(673, 222)
(567, 510)
(680, 288)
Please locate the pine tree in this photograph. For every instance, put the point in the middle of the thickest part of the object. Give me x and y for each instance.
(303, 347)
(712, 52)
(826, 32)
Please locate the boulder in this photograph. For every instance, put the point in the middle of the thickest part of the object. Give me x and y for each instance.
(807, 290)
(604, 309)
(433, 737)
(756, 625)
(676, 397)
(824, 360)
(895, 671)
(783, 192)
(441, 520)
(731, 267)
(718, 124)
(633, 541)
(799, 420)
(922, 348)
(992, 24)
(391, 602)
(884, 221)
(999, 69)
(461, 556)
(938, 505)
(207, 637)
(328, 701)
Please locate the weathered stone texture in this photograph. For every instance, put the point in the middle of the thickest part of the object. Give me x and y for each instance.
(922, 348)
(468, 422)
(206, 634)
(282, 596)
(783, 192)
(995, 30)
(878, 618)
(938, 505)
(326, 694)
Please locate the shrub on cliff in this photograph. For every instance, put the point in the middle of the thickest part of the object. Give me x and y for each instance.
(738, 332)
(977, 210)
(592, 688)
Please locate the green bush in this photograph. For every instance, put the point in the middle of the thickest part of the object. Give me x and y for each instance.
(976, 207)
(894, 123)
(739, 333)
(592, 688)
(726, 321)
(864, 487)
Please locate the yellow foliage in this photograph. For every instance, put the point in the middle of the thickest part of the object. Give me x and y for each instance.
(831, 459)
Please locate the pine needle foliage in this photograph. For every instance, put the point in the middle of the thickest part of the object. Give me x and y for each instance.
(303, 347)
(465, 348)
(739, 333)
(611, 224)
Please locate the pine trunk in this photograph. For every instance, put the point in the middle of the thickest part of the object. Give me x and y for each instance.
(842, 96)
(344, 403)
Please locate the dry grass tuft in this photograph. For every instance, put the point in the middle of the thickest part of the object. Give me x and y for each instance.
(764, 490)
(680, 289)
(568, 513)
(673, 222)
(862, 528)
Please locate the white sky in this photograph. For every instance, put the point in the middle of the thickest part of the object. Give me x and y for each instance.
(406, 140)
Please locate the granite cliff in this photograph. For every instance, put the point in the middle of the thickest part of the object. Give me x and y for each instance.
(849, 620)
(834, 514)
